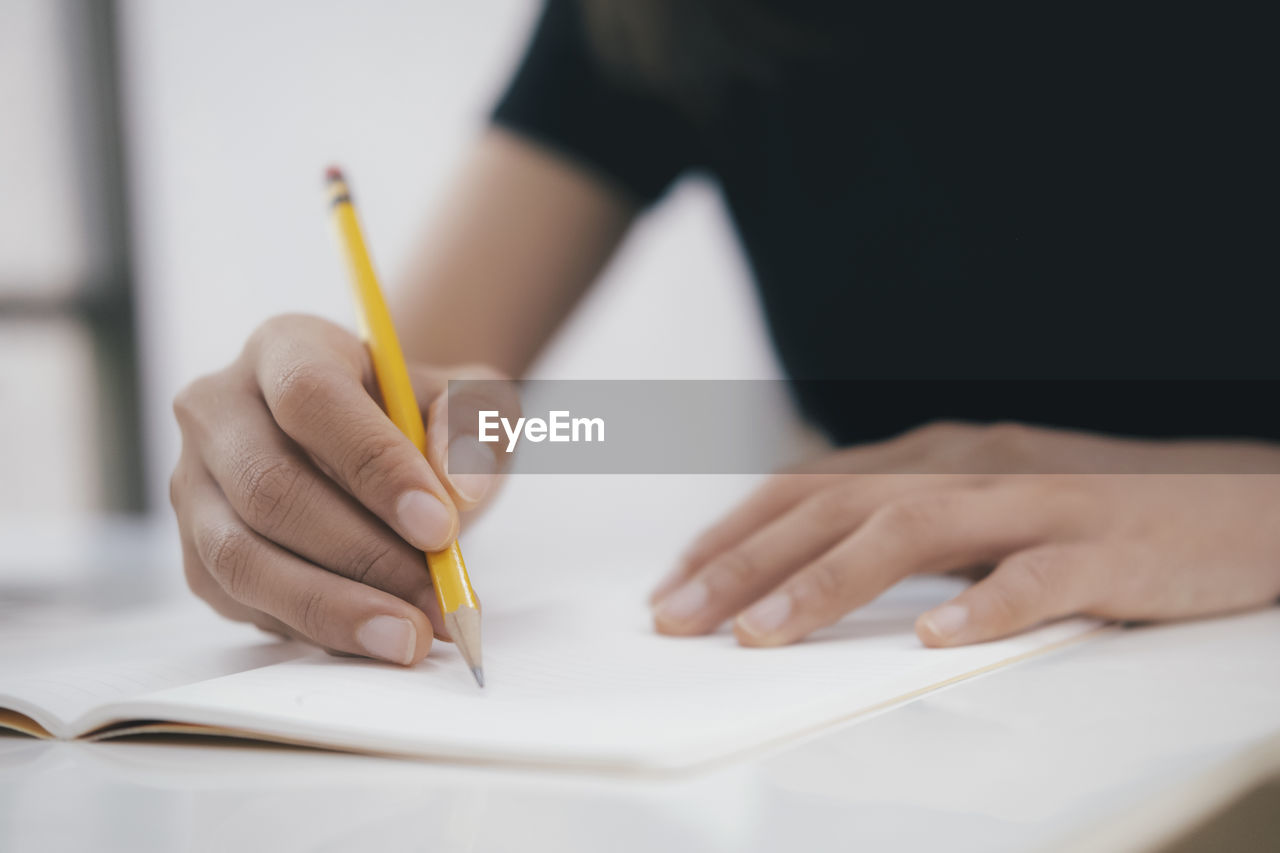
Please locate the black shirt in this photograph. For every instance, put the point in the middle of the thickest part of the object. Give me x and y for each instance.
(1021, 194)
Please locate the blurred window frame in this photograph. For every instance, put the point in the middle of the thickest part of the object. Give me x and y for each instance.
(103, 304)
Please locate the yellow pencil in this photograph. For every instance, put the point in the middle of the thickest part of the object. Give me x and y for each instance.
(453, 589)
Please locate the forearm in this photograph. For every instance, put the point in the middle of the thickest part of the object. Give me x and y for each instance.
(523, 235)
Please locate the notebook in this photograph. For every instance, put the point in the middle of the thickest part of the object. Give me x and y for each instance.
(574, 679)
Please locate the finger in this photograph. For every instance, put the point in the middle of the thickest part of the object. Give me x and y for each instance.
(468, 466)
(186, 474)
(316, 393)
(930, 531)
(779, 494)
(329, 610)
(202, 584)
(783, 491)
(277, 491)
(1027, 588)
(749, 569)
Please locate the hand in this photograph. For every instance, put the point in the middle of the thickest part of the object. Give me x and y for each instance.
(303, 509)
(1072, 523)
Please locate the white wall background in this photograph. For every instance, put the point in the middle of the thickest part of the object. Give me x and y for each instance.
(234, 109)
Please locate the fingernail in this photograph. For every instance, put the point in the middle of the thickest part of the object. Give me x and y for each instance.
(425, 520)
(683, 604)
(390, 638)
(947, 621)
(470, 465)
(766, 616)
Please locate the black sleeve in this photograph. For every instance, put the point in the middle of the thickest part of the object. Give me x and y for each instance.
(562, 98)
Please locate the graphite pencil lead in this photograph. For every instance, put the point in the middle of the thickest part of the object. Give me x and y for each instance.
(463, 625)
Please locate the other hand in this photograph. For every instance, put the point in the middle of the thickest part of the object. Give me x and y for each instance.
(1065, 523)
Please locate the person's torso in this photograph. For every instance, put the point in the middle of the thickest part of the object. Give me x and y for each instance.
(1023, 194)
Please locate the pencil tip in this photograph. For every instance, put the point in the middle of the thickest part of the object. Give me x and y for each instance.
(464, 627)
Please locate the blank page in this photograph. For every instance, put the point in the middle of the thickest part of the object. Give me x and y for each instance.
(581, 679)
(61, 674)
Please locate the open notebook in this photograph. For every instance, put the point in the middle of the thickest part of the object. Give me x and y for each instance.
(572, 681)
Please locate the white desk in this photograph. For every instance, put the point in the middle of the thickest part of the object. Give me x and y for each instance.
(1099, 745)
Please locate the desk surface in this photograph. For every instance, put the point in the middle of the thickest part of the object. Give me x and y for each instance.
(1104, 744)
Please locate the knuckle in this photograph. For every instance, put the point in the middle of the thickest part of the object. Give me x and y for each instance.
(914, 518)
(1005, 602)
(311, 610)
(373, 563)
(1028, 578)
(268, 487)
(369, 465)
(823, 586)
(300, 392)
(226, 551)
(734, 569)
(1035, 573)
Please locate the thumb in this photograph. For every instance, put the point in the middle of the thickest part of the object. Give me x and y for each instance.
(468, 465)
(1025, 589)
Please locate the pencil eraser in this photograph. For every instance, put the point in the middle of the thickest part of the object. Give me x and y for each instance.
(333, 173)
